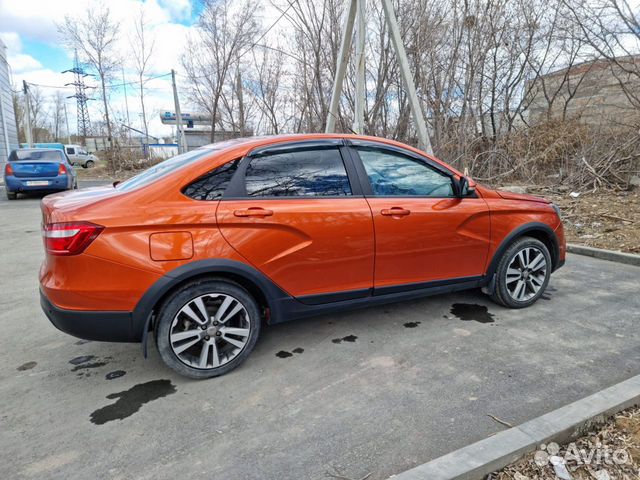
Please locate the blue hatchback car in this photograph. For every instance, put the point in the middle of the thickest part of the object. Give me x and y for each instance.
(37, 170)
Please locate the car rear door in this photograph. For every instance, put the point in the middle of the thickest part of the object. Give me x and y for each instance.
(296, 212)
(423, 232)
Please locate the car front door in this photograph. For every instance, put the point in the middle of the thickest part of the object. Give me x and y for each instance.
(297, 214)
(423, 232)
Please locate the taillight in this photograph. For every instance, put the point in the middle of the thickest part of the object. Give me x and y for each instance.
(69, 238)
(62, 170)
(8, 169)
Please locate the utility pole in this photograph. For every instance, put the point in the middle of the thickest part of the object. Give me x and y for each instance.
(357, 9)
(182, 144)
(66, 117)
(27, 109)
(416, 109)
(360, 101)
(126, 102)
(241, 120)
(341, 67)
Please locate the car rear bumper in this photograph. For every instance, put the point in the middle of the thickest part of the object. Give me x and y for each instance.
(19, 184)
(92, 325)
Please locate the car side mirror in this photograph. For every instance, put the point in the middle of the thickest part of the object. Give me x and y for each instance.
(462, 187)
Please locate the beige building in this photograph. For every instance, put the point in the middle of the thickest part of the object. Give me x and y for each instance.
(596, 92)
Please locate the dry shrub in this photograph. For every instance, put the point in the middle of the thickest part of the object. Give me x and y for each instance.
(557, 152)
(129, 159)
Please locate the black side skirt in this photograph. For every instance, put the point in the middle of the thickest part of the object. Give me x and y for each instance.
(292, 309)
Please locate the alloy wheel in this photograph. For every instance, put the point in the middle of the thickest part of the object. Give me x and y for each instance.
(210, 331)
(526, 274)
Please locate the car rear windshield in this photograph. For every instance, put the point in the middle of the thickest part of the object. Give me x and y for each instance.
(151, 174)
(35, 155)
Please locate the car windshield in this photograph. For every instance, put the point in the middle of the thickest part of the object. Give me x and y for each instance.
(35, 155)
(151, 174)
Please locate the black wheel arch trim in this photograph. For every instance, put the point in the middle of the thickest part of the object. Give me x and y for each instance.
(142, 314)
(522, 230)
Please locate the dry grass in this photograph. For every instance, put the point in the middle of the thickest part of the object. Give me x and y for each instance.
(622, 432)
(602, 219)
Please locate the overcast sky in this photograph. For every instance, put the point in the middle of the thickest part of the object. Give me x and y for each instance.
(35, 51)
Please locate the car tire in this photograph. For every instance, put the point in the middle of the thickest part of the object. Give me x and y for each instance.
(522, 274)
(185, 334)
(11, 195)
(88, 164)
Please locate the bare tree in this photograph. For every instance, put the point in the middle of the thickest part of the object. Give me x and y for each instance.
(225, 30)
(57, 115)
(94, 35)
(39, 115)
(267, 89)
(612, 29)
(18, 108)
(142, 49)
(315, 42)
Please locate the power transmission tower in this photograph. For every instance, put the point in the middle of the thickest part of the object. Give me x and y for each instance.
(84, 124)
(357, 11)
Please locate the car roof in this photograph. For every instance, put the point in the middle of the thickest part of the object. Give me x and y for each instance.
(41, 149)
(248, 143)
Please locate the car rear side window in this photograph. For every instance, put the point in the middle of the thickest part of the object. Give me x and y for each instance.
(36, 155)
(394, 174)
(312, 172)
(212, 185)
(155, 172)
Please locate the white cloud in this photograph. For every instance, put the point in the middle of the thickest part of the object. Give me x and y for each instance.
(179, 9)
(22, 20)
(22, 62)
(38, 19)
(11, 40)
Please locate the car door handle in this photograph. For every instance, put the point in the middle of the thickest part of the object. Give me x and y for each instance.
(253, 212)
(395, 212)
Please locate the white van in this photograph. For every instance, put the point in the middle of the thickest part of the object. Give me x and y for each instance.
(79, 156)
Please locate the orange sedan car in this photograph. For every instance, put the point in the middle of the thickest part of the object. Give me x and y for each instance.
(201, 248)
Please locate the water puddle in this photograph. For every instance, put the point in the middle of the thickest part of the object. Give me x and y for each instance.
(472, 312)
(348, 338)
(115, 374)
(81, 359)
(27, 366)
(285, 354)
(130, 401)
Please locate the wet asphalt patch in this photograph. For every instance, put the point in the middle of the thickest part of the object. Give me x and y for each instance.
(411, 324)
(115, 374)
(472, 312)
(87, 366)
(27, 366)
(348, 338)
(81, 359)
(285, 354)
(130, 401)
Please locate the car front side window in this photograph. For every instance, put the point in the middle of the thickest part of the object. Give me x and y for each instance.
(394, 174)
(301, 173)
